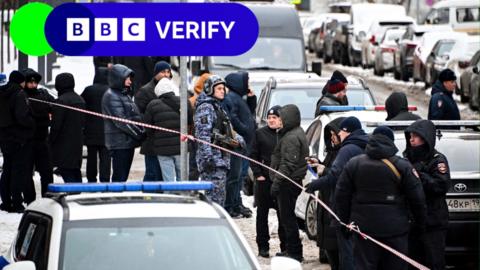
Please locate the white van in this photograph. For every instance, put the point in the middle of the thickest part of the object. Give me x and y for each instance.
(461, 15)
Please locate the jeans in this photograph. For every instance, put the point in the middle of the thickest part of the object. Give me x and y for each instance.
(121, 163)
(104, 164)
(233, 187)
(345, 250)
(170, 166)
(70, 175)
(152, 169)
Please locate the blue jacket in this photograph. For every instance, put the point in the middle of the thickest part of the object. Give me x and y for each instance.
(238, 110)
(116, 102)
(442, 106)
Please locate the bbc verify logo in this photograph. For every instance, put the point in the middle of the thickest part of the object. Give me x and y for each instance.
(141, 29)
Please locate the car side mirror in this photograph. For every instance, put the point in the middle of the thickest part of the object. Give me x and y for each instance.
(317, 67)
(285, 263)
(432, 54)
(196, 67)
(475, 69)
(23, 265)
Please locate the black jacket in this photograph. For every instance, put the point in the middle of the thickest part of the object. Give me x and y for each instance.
(289, 155)
(16, 121)
(434, 172)
(164, 112)
(370, 194)
(142, 98)
(94, 129)
(328, 100)
(40, 111)
(397, 108)
(263, 144)
(116, 102)
(66, 133)
(442, 105)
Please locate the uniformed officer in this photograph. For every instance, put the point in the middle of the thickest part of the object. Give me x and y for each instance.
(433, 170)
(442, 106)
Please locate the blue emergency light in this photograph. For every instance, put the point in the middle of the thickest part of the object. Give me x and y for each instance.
(130, 186)
(358, 108)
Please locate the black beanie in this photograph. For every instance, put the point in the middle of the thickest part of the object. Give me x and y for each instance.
(337, 75)
(64, 81)
(384, 130)
(16, 77)
(350, 124)
(161, 66)
(275, 110)
(447, 75)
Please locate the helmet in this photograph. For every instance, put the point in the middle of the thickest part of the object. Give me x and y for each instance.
(211, 82)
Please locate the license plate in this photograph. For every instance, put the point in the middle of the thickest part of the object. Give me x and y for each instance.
(463, 205)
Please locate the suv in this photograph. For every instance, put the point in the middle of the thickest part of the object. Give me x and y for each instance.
(111, 229)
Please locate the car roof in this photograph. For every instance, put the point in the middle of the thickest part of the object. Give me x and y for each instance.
(294, 82)
(87, 206)
(456, 3)
(279, 20)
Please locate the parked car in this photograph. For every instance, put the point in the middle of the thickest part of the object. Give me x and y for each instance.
(311, 24)
(385, 50)
(375, 32)
(325, 39)
(465, 89)
(461, 15)
(475, 89)
(317, 36)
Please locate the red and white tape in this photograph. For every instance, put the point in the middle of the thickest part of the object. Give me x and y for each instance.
(184, 137)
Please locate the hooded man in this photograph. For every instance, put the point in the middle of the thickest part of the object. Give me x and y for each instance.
(442, 105)
(240, 114)
(376, 191)
(397, 108)
(143, 97)
(121, 138)
(334, 93)
(17, 128)
(289, 159)
(94, 128)
(66, 133)
(165, 112)
(434, 173)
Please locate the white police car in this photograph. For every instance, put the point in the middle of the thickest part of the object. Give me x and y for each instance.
(122, 226)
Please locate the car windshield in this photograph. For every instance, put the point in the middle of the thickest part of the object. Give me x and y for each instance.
(168, 243)
(454, 148)
(306, 98)
(267, 53)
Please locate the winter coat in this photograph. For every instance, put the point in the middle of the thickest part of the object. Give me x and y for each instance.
(442, 105)
(94, 125)
(116, 102)
(397, 108)
(40, 111)
(142, 98)
(142, 66)
(66, 133)
(370, 194)
(205, 120)
(164, 112)
(238, 110)
(328, 100)
(263, 144)
(289, 155)
(16, 120)
(432, 166)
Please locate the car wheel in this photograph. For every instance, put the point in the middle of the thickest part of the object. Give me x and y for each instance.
(396, 74)
(326, 57)
(311, 219)
(463, 98)
(404, 75)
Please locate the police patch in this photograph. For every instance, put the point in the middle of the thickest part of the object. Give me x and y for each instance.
(204, 120)
(442, 168)
(440, 103)
(415, 173)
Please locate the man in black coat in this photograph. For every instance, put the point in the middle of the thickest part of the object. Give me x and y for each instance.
(397, 108)
(289, 159)
(94, 130)
(142, 98)
(375, 191)
(263, 144)
(432, 167)
(442, 105)
(41, 154)
(17, 127)
(66, 133)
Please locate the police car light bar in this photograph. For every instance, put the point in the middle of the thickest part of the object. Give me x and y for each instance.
(130, 186)
(438, 123)
(358, 108)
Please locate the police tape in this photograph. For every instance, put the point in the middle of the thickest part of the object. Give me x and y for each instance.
(183, 137)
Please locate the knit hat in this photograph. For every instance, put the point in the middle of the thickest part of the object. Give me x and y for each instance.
(161, 66)
(200, 83)
(350, 124)
(31, 75)
(64, 81)
(275, 110)
(384, 130)
(335, 86)
(165, 86)
(337, 75)
(16, 77)
(447, 75)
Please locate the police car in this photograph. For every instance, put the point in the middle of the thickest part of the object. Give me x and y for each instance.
(125, 226)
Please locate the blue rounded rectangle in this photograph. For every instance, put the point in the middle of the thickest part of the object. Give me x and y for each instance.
(144, 29)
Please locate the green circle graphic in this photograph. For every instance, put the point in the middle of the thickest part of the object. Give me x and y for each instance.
(27, 29)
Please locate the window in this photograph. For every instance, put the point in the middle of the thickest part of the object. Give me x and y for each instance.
(468, 14)
(442, 16)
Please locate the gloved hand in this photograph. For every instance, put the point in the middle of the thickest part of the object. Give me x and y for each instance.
(346, 231)
(209, 165)
(275, 189)
(312, 186)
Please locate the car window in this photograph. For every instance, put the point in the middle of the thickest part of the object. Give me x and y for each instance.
(470, 14)
(443, 47)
